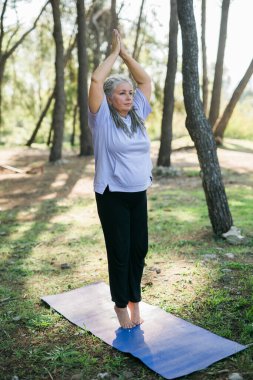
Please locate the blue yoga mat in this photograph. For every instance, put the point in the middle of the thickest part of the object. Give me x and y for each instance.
(166, 344)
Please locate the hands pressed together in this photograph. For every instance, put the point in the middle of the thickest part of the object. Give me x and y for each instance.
(117, 44)
(140, 76)
(100, 74)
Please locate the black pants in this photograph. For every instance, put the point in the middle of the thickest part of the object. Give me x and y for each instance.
(124, 221)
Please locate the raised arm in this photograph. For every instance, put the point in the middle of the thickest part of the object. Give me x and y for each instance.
(96, 92)
(142, 78)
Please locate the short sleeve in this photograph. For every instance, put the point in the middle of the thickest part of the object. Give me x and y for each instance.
(141, 104)
(97, 119)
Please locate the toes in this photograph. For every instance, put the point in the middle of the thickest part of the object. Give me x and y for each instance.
(128, 326)
(137, 321)
(123, 317)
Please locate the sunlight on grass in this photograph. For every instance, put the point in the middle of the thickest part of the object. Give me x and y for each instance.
(184, 215)
(234, 202)
(241, 202)
(23, 228)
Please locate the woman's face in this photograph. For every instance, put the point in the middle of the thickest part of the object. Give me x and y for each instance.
(122, 98)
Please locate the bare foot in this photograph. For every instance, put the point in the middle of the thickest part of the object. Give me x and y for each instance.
(123, 317)
(135, 313)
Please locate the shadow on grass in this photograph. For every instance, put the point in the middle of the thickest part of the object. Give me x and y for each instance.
(31, 202)
(237, 146)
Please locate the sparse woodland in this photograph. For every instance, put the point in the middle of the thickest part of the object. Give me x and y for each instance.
(202, 153)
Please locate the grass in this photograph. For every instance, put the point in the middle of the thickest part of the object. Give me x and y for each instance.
(239, 124)
(38, 235)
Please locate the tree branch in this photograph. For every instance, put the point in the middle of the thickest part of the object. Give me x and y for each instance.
(10, 52)
(2, 24)
(72, 43)
(11, 37)
(138, 30)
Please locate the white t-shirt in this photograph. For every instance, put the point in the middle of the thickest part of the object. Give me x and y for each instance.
(121, 162)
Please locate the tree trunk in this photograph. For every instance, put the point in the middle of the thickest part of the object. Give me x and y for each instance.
(59, 106)
(50, 99)
(217, 83)
(138, 31)
(97, 10)
(204, 59)
(73, 134)
(42, 115)
(86, 148)
(49, 137)
(3, 57)
(222, 123)
(2, 67)
(198, 126)
(96, 51)
(168, 102)
(113, 25)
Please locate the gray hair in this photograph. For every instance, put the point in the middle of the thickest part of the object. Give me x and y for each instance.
(136, 121)
(113, 81)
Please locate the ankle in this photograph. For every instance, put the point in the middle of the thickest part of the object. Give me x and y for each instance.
(119, 308)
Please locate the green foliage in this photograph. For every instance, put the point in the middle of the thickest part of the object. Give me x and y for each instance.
(29, 76)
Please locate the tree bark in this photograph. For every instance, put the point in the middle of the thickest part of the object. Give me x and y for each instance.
(86, 148)
(168, 102)
(2, 67)
(73, 134)
(95, 28)
(217, 83)
(59, 106)
(113, 25)
(198, 126)
(138, 31)
(221, 125)
(3, 57)
(49, 137)
(204, 58)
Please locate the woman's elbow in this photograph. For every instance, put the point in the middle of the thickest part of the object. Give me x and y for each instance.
(96, 80)
(147, 81)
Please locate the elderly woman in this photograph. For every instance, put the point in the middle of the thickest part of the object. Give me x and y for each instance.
(122, 175)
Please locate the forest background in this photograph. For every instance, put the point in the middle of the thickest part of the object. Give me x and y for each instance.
(50, 235)
(30, 74)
